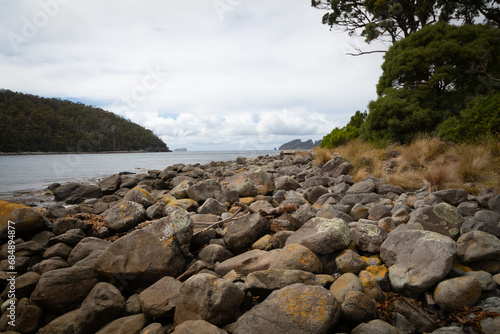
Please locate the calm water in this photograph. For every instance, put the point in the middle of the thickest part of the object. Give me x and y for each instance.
(26, 173)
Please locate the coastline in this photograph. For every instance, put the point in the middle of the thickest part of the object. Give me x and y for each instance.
(58, 153)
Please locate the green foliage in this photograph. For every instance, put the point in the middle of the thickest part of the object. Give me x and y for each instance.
(479, 119)
(347, 133)
(30, 123)
(398, 19)
(429, 76)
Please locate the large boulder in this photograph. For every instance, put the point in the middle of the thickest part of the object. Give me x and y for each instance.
(297, 308)
(204, 190)
(244, 231)
(103, 304)
(110, 184)
(62, 290)
(74, 190)
(417, 259)
(458, 292)
(124, 215)
(160, 299)
(322, 236)
(442, 218)
(145, 255)
(141, 196)
(247, 262)
(263, 183)
(369, 237)
(85, 247)
(477, 246)
(25, 221)
(452, 196)
(131, 324)
(295, 256)
(265, 281)
(206, 297)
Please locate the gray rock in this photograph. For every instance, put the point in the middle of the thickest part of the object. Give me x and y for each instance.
(468, 208)
(352, 199)
(417, 259)
(206, 297)
(368, 237)
(455, 293)
(376, 326)
(329, 212)
(62, 290)
(452, 196)
(110, 184)
(143, 256)
(71, 237)
(487, 216)
(215, 253)
(61, 324)
(295, 256)
(247, 262)
(358, 307)
(69, 190)
(103, 304)
(212, 206)
(204, 190)
(155, 211)
(411, 314)
(124, 216)
(378, 211)
(131, 324)
(62, 225)
(331, 168)
(244, 231)
(494, 204)
(477, 246)
(349, 261)
(264, 282)
(312, 194)
(297, 308)
(85, 247)
(322, 236)
(303, 214)
(363, 187)
(470, 224)
(197, 326)
(159, 300)
(344, 284)
(484, 278)
(286, 183)
(315, 181)
(442, 218)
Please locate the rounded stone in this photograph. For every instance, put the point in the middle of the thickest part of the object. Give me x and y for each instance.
(457, 292)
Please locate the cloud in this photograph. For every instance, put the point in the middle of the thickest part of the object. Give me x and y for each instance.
(211, 75)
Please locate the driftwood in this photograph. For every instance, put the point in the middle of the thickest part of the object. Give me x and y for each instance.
(220, 222)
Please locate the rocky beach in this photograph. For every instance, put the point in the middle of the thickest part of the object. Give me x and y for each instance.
(274, 244)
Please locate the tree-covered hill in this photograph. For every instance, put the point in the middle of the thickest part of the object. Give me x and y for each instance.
(30, 123)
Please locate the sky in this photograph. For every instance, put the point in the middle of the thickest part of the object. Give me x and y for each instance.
(204, 75)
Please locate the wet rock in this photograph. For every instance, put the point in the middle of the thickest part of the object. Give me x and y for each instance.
(295, 256)
(322, 236)
(206, 297)
(124, 216)
(417, 259)
(457, 292)
(296, 309)
(69, 190)
(159, 300)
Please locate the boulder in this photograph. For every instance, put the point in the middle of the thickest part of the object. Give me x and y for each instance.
(28, 318)
(378, 211)
(312, 194)
(286, 183)
(363, 187)
(197, 326)
(477, 246)
(204, 190)
(141, 196)
(358, 307)
(349, 261)
(263, 282)
(302, 215)
(24, 284)
(368, 237)
(61, 250)
(180, 191)
(452, 196)
(131, 324)
(417, 259)
(247, 262)
(295, 256)
(376, 326)
(442, 218)
(322, 236)
(494, 204)
(206, 297)
(333, 167)
(61, 324)
(344, 284)
(52, 264)
(71, 237)
(63, 225)
(103, 304)
(27, 221)
(124, 215)
(73, 190)
(85, 247)
(458, 292)
(244, 231)
(143, 256)
(159, 300)
(212, 206)
(215, 253)
(110, 184)
(297, 308)
(63, 290)
(314, 181)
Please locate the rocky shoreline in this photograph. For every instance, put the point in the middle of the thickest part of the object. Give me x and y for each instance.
(274, 244)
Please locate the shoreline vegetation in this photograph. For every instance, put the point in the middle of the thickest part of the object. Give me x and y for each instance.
(101, 152)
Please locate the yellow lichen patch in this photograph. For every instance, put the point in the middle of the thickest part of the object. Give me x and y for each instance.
(324, 280)
(370, 285)
(247, 200)
(24, 217)
(167, 199)
(186, 204)
(460, 266)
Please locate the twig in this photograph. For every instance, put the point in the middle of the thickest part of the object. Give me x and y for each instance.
(220, 222)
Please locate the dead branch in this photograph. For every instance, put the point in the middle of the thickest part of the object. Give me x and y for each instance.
(279, 210)
(220, 222)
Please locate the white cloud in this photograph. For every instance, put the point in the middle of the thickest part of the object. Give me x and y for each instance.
(250, 73)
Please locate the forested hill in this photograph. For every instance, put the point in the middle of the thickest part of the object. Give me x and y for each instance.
(30, 123)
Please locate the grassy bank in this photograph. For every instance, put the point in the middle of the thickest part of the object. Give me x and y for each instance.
(426, 161)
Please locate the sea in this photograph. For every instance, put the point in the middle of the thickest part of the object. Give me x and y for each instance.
(24, 175)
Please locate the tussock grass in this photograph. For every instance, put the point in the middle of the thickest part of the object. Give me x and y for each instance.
(425, 161)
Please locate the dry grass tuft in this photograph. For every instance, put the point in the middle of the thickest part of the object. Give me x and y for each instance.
(322, 155)
(474, 163)
(439, 174)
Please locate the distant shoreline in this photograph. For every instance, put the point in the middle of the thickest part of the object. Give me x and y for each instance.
(101, 152)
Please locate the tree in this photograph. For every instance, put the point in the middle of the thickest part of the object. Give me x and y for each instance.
(347, 133)
(398, 19)
(430, 76)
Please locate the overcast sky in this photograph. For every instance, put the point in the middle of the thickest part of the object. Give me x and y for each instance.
(204, 75)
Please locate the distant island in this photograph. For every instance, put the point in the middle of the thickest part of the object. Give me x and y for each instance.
(30, 123)
(297, 144)
(180, 150)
